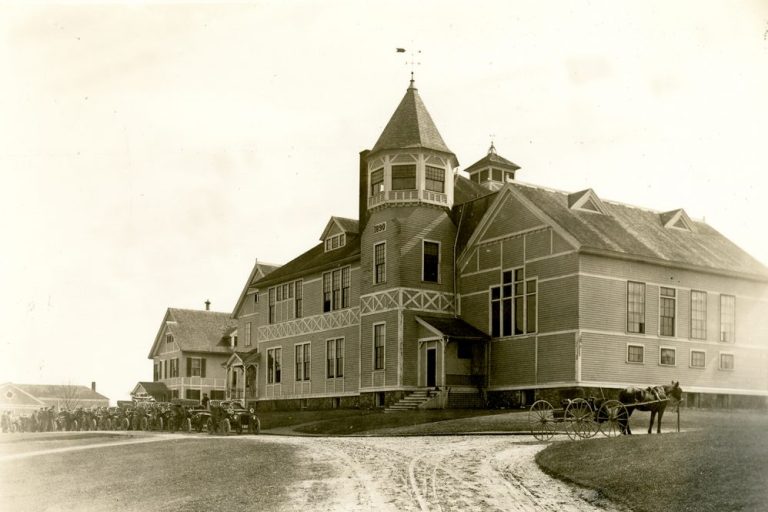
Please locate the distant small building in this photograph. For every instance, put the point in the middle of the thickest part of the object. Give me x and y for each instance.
(156, 391)
(26, 398)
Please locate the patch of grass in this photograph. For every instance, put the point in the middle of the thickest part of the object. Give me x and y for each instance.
(373, 420)
(721, 466)
(186, 475)
(281, 419)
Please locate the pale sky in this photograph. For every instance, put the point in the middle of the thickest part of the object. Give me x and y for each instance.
(150, 153)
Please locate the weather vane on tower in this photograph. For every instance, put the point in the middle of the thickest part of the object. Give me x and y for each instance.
(412, 62)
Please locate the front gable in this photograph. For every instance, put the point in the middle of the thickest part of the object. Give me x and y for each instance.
(510, 217)
(13, 396)
(160, 345)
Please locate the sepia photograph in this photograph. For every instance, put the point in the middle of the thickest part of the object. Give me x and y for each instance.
(384, 256)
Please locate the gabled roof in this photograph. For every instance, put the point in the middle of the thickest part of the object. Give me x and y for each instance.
(467, 190)
(195, 330)
(239, 356)
(586, 200)
(634, 233)
(451, 328)
(157, 390)
(313, 261)
(43, 391)
(468, 215)
(676, 219)
(492, 159)
(350, 226)
(411, 126)
(258, 271)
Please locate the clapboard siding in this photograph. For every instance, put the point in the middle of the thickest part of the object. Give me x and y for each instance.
(538, 244)
(489, 255)
(368, 376)
(557, 358)
(557, 265)
(474, 311)
(558, 305)
(602, 303)
(513, 362)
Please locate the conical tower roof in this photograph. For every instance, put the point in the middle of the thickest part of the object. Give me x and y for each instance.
(411, 126)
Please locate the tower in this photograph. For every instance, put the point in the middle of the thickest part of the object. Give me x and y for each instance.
(493, 170)
(407, 239)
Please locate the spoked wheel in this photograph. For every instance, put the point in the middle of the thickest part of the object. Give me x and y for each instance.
(580, 420)
(211, 426)
(541, 420)
(613, 417)
(254, 426)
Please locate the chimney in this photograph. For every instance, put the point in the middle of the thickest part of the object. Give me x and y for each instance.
(207, 305)
(93, 386)
(363, 203)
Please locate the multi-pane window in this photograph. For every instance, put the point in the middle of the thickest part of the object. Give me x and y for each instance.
(431, 260)
(404, 177)
(698, 359)
(377, 182)
(248, 334)
(335, 241)
(174, 368)
(698, 315)
(378, 346)
(635, 353)
(726, 361)
(667, 356)
(513, 304)
(195, 367)
(727, 318)
(636, 307)
(336, 289)
(274, 369)
(303, 361)
(169, 338)
(667, 303)
(298, 294)
(285, 302)
(334, 354)
(435, 179)
(379, 263)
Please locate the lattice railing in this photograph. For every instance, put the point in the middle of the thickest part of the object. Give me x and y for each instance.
(310, 324)
(406, 298)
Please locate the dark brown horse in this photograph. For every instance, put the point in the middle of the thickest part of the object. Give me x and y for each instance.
(658, 396)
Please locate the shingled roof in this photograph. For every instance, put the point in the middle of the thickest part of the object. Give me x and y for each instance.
(493, 159)
(635, 232)
(196, 330)
(411, 126)
(63, 391)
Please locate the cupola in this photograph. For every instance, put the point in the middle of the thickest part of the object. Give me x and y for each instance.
(493, 170)
(410, 163)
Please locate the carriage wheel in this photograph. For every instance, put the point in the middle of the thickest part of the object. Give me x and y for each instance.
(580, 420)
(613, 417)
(211, 426)
(144, 423)
(541, 420)
(125, 424)
(254, 426)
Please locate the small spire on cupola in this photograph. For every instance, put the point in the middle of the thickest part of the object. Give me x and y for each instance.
(493, 170)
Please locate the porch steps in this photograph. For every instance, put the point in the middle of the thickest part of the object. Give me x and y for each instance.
(410, 402)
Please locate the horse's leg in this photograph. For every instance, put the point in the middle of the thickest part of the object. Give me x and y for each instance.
(653, 416)
(658, 426)
(625, 424)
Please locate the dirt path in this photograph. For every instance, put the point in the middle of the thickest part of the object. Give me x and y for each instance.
(476, 473)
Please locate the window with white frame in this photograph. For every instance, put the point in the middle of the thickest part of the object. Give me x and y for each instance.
(635, 307)
(404, 177)
(635, 353)
(285, 302)
(380, 263)
(435, 179)
(727, 318)
(514, 304)
(377, 182)
(195, 367)
(431, 262)
(334, 353)
(248, 334)
(335, 241)
(303, 361)
(698, 315)
(379, 332)
(667, 356)
(667, 310)
(274, 368)
(698, 359)
(726, 361)
(336, 289)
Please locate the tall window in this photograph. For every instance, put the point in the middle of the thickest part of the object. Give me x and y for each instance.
(698, 358)
(727, 318)
(380, 263)
(155, 372)
(377, 182)
(667, 306)
(285, 302)
(174, 367)
(513, 304)
(169, 338)
(196, 367)
(303, 361)
(336, 289)
(435, 179)
(274, 370)
(248, 334)
(698, 315)
(378, 346)
(298, 294)
(431, 267)
(272, 305)
(635, 353)
(334, 354)
(636, 307)
(404, 177)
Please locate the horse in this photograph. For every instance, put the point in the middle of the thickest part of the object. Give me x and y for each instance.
(658, 395)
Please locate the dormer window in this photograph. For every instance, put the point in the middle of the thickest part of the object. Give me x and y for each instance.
(435, 179)
(404, 177)
(336, 241)
(586, 201)
(676, 219)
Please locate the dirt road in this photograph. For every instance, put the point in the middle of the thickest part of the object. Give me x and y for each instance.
(479, 473)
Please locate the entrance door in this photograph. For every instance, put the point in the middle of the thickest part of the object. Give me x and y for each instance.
(431, 366)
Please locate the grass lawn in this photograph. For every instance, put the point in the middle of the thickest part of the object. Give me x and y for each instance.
(720, 465)
(167, 475)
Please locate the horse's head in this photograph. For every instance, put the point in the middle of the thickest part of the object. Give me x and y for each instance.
(674, 391)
